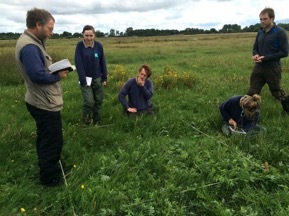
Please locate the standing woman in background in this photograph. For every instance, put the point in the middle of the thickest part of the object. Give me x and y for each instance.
(92, 74)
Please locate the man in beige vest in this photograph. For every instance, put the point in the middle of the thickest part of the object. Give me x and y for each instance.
(43, 95)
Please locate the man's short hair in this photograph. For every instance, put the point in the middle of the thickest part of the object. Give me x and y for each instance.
(36, 15)
(147, 69)
(270, 12)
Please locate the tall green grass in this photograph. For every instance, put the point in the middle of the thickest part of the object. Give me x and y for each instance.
(174, 163)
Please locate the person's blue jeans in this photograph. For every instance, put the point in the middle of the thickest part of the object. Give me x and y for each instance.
(49, 142)
(92, 101)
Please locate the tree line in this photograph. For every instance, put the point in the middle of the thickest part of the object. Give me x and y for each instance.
(130, 32)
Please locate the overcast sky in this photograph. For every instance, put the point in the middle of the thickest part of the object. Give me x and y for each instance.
(72, 15)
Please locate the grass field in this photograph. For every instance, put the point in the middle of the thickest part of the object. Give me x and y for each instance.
(175, 163)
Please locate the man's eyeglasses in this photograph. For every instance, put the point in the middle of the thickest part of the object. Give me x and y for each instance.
(49, 28)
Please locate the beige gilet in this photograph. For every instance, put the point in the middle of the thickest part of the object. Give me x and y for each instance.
(43, 96)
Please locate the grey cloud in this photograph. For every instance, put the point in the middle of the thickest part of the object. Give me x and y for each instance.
(114, 14)
(282, 21)
(99, 7)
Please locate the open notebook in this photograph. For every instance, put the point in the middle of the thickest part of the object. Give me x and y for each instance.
(60, 66)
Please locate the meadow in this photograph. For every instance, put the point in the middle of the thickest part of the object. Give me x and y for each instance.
(175, 163)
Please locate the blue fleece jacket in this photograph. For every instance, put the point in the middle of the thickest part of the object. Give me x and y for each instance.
(273, 45)
(33, 60)
(231, 109)
(138, 96)
(90, 62)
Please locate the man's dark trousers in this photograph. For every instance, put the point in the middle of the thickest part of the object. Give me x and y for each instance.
(49, 142)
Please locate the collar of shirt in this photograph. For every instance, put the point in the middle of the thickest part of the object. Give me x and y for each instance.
(34, 37)
(88, 45)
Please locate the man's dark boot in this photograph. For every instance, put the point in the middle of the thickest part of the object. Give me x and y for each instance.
(96, 118)
(285, 104)
(85, 120)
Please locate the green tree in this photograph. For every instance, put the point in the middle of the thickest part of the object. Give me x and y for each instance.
(129, 31)
(231, 28)
(66, 34)
(112, 33)
(284, 25)
(99, 34)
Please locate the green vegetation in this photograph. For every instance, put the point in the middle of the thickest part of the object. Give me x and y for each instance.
(175, 163)
(130, 32)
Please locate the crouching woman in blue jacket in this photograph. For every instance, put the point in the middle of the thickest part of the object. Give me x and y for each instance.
(241, 115)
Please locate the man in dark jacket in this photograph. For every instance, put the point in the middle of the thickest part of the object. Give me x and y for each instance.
(271, 44)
